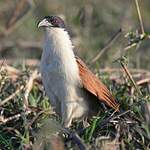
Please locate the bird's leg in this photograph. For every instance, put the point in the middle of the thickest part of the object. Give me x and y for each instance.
(66, 112)
(85, 123)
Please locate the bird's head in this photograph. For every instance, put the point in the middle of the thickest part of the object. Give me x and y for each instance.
(51, 21)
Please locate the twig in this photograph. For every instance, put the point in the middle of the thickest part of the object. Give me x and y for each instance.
(140, 17)
(5, 120)
(11, 96)
(35, 118)
(39, 112)
(130, 77)
(102, 124)
(29, 86)
(130, 46)
(10, 70)
(101, 52)
(116, 141)
(143, 81)
(121, 114)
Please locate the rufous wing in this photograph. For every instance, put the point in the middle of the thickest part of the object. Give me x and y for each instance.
(93, 85)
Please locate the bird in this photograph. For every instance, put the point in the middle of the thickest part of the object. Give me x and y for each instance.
(74, 91)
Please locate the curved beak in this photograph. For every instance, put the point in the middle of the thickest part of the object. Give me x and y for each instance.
(44, 23)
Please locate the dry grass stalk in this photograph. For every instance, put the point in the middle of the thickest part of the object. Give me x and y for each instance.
(17, 116)
(140, 17)
(143, 81)
(29, 86)
(130, 77)
(10, 70)
(12, 95)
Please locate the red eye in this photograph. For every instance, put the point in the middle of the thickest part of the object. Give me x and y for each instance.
(54, 21)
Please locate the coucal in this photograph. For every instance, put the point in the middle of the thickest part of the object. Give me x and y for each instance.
(74, 91)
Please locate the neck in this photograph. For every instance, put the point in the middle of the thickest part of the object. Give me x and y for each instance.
(59, 38)
(57, 42)
(58, 48)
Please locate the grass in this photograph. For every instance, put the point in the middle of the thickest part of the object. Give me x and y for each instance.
(25, 126)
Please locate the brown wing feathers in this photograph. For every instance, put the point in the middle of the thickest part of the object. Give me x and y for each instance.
(93, 85)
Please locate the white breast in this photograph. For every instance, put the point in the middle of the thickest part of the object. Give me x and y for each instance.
(60, 74)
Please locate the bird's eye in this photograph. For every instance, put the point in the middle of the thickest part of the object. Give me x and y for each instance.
(54, 21)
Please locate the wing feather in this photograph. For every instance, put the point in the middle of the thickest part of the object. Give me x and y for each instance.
(93, 85)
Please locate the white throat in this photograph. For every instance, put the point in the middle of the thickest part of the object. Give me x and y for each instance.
(58, 50)
(58, 40)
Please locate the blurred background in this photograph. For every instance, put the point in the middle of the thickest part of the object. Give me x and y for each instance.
(93, 26)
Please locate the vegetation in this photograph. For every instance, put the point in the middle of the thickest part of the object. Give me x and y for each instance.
(118, 35)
